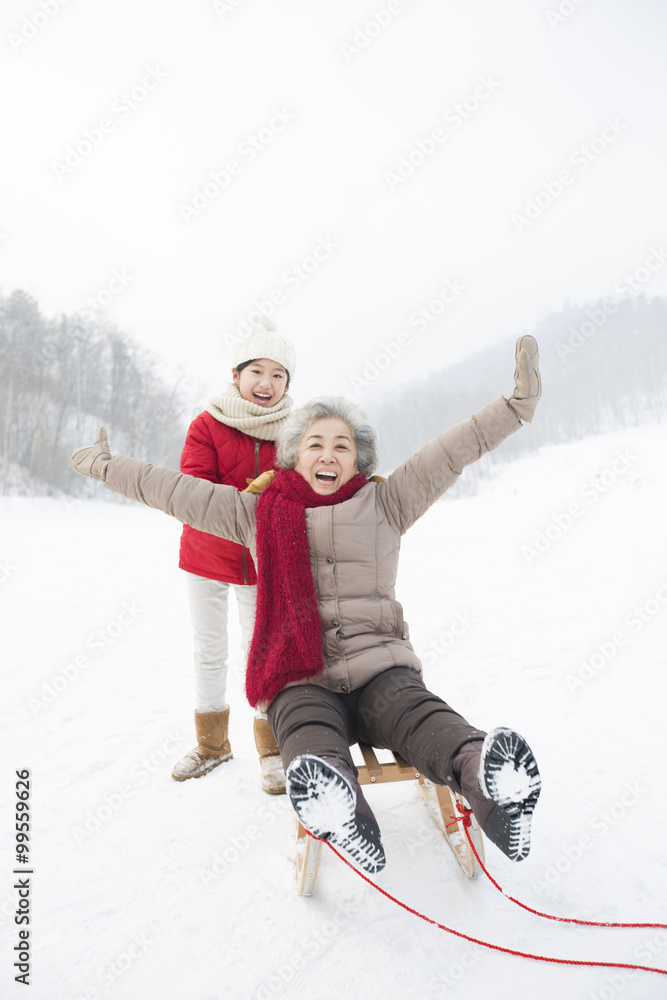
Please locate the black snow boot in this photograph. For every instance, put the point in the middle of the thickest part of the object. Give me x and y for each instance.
(329, 802)
(500, 780)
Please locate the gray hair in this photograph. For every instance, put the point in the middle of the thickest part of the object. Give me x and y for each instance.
(365, 435)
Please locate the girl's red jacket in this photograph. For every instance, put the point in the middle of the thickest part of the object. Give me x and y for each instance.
(221, 454)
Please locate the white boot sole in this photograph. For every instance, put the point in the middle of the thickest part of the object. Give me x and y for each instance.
(325, 803)
(508, 775)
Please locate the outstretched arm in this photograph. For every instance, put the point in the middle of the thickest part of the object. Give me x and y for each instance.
(218, 510)
(528, 384)
(418, 483)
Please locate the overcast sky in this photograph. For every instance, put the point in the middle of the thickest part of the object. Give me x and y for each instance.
(413, 178)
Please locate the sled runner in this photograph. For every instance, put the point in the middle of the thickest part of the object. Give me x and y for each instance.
(442, 803)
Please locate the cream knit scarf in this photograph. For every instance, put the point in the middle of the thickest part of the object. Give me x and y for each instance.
(265, 423)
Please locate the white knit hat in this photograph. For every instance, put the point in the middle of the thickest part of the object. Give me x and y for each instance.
(264, 341)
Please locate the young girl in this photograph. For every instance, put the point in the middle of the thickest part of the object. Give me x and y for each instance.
(331, 656)
(231, 442)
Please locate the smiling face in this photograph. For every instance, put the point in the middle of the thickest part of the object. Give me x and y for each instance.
(262, 382)
(327, 455)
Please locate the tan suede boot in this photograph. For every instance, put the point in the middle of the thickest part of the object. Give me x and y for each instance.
(273, 772)
(212, 748)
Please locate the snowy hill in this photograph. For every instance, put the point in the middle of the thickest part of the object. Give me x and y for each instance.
(539, 603)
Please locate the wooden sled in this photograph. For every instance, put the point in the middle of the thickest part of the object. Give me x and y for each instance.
(441, 801)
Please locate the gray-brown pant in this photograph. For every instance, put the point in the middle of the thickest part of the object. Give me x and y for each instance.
(394, 711)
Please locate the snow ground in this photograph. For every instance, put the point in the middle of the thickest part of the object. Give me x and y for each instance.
(144, 887)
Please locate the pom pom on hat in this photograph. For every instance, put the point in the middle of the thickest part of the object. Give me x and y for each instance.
(264, 341)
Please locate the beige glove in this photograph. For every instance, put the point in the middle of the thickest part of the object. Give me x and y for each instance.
(527, 377)
(93, 461)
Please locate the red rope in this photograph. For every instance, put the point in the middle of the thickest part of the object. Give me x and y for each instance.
(497, 947)
(465, 818)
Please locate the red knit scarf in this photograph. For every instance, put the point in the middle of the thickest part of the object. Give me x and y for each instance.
(287, 641)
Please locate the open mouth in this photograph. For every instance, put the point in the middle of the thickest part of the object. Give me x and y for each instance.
(262, 397)
(326, 477)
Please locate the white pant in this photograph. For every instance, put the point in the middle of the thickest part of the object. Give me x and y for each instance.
(209, 601)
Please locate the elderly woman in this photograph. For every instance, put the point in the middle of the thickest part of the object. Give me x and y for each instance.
(331, 659)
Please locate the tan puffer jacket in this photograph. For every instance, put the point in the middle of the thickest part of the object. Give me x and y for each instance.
(354, 546)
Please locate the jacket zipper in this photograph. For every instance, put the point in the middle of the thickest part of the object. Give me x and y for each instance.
(244, 559)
